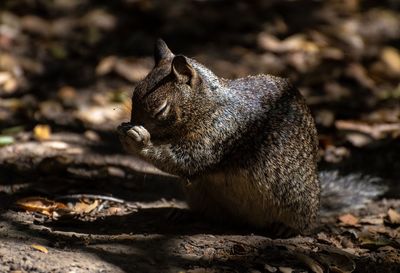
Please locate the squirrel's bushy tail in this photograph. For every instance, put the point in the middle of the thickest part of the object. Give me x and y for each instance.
(340, 192)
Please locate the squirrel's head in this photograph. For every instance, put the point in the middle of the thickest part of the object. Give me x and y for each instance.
(162, 100)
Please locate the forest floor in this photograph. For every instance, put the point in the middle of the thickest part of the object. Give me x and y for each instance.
(59, 217)
(71, 200)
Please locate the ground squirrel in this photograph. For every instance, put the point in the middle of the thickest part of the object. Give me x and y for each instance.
(246, 147)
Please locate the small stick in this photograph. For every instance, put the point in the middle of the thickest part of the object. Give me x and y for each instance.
(92, 196)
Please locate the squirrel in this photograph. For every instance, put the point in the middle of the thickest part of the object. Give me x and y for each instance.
(246, 148)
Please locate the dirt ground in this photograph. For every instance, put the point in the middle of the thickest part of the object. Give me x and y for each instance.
(72, 201)
(136, 232)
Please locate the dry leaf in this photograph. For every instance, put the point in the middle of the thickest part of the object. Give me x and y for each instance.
(372, 240)
(41, 205)
(92, 135)
(100, 19)
(40, 248)
(298, 42)
(358, 140)
(284, 269)
(270, 268)
(348, 219)
(6, 140)
(360, 74)
(106, 65)
(67, 94)
(100, 114)
(114, 210)
(372, 220)
(393, 216)
(294, 43)
(8, 83)
(83, 207)
(4, 77)
(311, 263)
(391, 57)
(58, 145)
(335, 154)
(268, 42)
(375, 130)
(42, 132)
(35, 24)
(133, 71)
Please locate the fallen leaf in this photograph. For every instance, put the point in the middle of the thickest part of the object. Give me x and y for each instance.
(67, 95)
(31, 66)
(374, 130)
(83, 207)
(284, 269)
(100, 19)
(208, 254)
(41, 205)
(393, 216)
(12, 130)
(269, 268)
(294, 43)
(325, 117)
(268, 42)
(50, 109)
(133, 71)
(114, 210)
(372, 220)
(358, 140)
(58, 145)
(360, 74)
(6, 140)
(63, 26)
(100, 114)
(311, 263)
(42, 132)
(335, 154)
(298, 42)
(391, 57)
(348, 219)
(4, 77)
(92, 135)
(35, 24)
(40, 248)
(373, 240)
(8, 83)
(106, 65)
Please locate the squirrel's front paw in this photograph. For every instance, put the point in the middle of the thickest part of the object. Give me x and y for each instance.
(139, 134)
(133, 138)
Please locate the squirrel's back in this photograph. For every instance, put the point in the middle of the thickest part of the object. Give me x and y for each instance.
(268, 173)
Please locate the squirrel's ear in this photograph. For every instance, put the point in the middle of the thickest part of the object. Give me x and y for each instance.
(161, 51)
(183, 71)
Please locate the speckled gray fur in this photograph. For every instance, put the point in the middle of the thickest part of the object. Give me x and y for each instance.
(247, 147)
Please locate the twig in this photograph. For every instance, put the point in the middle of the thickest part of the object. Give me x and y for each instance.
(92, 196)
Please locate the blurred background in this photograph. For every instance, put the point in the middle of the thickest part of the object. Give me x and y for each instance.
(71, 65)
(67, 72)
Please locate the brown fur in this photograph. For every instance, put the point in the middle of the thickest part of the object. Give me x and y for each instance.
(248, 147)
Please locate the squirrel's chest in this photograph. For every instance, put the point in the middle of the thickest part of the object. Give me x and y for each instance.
(237, 193)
